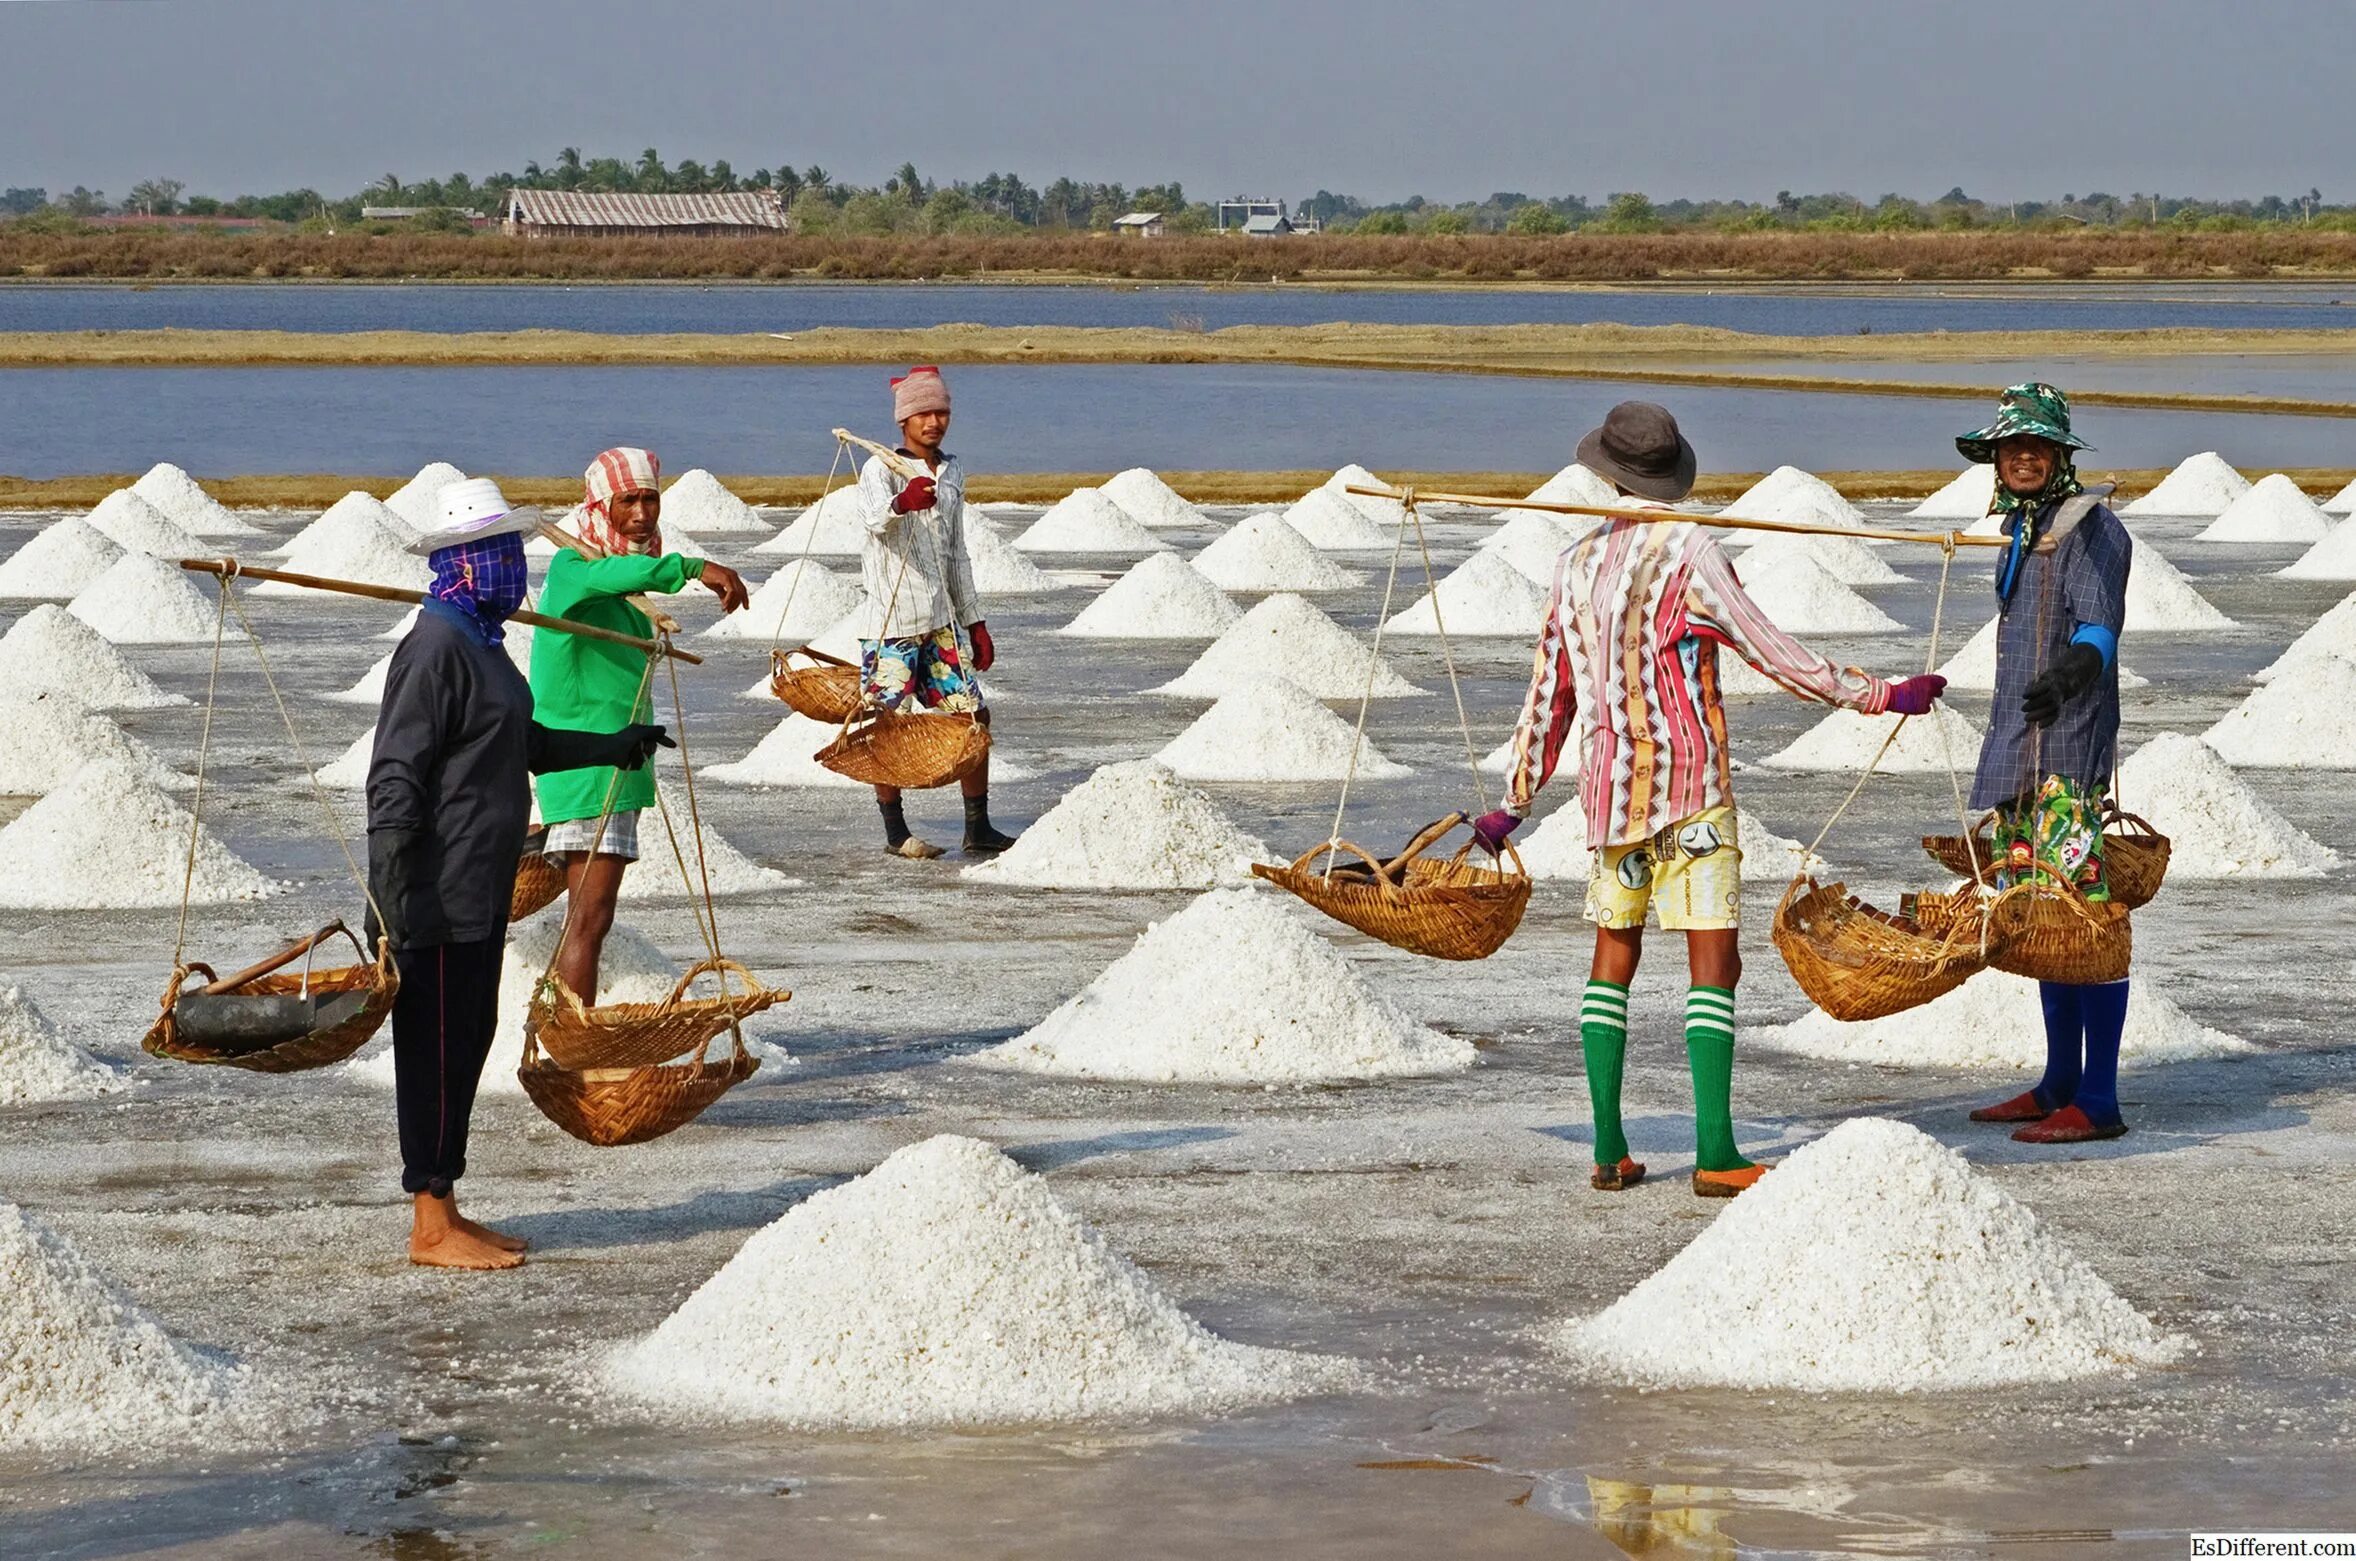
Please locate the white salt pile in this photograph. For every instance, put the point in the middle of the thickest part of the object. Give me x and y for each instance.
(1873, 1260)
(2218, 827)
(1766, 856)
(2200, 485)
(2161, 601)
(45, 738)
(355, 512)
(1738, 679)
(998, 570)
(2333, 634)
(1967, 497)
(1329, 520)
(1802, 597)
(945, 1288)
(1846, 559)
(1284, 632)
(1974, 666)
(1162, 597)
(1846, 740)
(107, 840)
(1149, 501)
(176, 495)
(2274, 510)
(50, 651)
(129, 521)
(1128, 826)
(1262, 553)
(798, 602)
(1557, 848)
(37, 1064)
(1483, 596)
(1534, 542)
(698, 501)
(1085, 521)
(682, 543)
(1270, 729)
(1788, 493)
(145, 601)
(515, 639)
(357, 539)
(655, 875)
(369, 690)
(1286, 1008)
(1575, 484)
(418, 502)
(57, 561)
(2333, 558)
(348, 771)
(85, 1369)
(783, 758)
(2342, 502)
(2306, 722)
(1383, 512)
(837, 523)
(1994, 1020)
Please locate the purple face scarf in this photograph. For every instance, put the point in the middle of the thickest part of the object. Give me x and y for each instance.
(482, 581)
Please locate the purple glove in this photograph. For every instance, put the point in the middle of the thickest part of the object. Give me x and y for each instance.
(1490, 830)
(1913, 696)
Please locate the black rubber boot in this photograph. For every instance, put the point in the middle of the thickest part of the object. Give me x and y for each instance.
(980, 838)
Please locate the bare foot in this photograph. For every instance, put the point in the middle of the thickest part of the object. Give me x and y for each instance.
(497, 1238)
(440, 1238)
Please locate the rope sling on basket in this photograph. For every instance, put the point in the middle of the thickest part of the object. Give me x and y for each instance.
(827, 688)
(2134, 855)
(1449, 909)
(258, 1018)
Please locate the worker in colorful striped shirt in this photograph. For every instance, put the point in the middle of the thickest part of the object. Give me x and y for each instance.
(1629, 661)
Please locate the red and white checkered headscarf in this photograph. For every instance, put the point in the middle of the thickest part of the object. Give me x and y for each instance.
(618, 471)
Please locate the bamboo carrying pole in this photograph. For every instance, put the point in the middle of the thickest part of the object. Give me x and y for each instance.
(557, 535)
(1729, 522)
(890, 457)
(231, 569)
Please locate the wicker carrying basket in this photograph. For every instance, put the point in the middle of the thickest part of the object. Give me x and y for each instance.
(824, 690)
(2053, 933)
(1450, 909)
(639, 1035)
(912, 752)
(1855, 963)
(538, 881)
(610, 1107)
(2134, 858)
(381, 980)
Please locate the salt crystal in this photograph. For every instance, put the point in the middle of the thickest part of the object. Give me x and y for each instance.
(799, 601)
(2217, 826)
(176, 495)
(2342, 502)
(131, 522)
(1846, 559)
(1286, 1007)
(1788, 493)
(783, 758)
(998, 570)
(698, 501)
(2200, 485)
(1285, 632)
(418, 502)
(1967, 497)
(1483, 596)
(145, 601)
(1974, 666)
(2160, 600)
(45, 738)
(355, 540)
(655, 875)
(1149, 501)
(58, 561)
(1766, 856)
(355, 512)
(2274, 510)
(1270, 729)
(1383, 512)
(2333, 558)
(837, 523)
(1738, 679)
(2333, 634)
(1128, 826)
(1848, 739)
(1992, 1021)
(1262, 553)
(1162, 597)
(1557, 848)
(1534, 543)
(1330, 521)
(1801, 597)
(2298, 723)
(1085, 521)
(49, 650)
(1575, 484)
(1873, 1260)
(108, 840)
(515, 638)
(37, 1064)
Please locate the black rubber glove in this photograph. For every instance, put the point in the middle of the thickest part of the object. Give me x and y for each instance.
(561, 748)
(2070, 675)
(400, 881)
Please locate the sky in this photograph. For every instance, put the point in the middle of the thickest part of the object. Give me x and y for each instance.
(1377, 98)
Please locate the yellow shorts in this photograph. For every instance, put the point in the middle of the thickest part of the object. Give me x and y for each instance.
(1690, 874)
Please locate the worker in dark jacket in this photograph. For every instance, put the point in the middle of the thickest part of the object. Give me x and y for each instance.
(449, 796)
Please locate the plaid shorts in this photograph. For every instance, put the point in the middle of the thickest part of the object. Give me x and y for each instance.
(576, 835)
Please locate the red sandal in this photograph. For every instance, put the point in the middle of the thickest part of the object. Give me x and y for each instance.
(2021, 1108)
(2069, 1125)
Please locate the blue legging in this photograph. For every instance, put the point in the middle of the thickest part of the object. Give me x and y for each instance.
(2082, 1029)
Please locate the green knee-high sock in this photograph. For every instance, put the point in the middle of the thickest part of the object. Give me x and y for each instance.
(1603, 1041)
(1709, 1051)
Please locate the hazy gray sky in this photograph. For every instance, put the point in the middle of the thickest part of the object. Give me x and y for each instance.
(1377, 98)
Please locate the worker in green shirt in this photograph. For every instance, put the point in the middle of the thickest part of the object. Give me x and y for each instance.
(590, 685)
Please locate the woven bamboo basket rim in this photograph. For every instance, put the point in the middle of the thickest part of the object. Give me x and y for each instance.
(318, 1049)
(626, 1036)
(1452, 909)
(538, 882)
(915, 752)
(826, 690)
(1855, 965)
(2055, 934)
(609, 1108)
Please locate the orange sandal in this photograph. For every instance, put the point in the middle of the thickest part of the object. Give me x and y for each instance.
(1726, 1184)
(1616, 1178)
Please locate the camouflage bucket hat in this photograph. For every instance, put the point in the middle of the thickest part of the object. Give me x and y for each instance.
(2033, 408)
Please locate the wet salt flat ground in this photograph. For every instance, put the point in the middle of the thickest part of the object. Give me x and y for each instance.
(1427, 1227)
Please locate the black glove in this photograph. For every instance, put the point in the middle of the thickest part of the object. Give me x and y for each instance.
(401, 883)
(2072, 674)
(561, 748)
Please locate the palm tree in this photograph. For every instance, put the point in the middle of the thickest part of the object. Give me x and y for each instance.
(651, 173)
(568, 167)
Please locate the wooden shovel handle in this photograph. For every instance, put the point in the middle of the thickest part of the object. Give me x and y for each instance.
(1424, 840)
(284, 957)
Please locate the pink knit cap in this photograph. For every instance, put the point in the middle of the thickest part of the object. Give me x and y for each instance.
(921, 389)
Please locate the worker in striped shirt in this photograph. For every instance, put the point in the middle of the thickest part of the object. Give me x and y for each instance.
(1628, 661)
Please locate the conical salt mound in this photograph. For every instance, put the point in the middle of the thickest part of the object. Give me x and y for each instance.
(1575, 484)
(1557, 848)
(58, 561)
(841, 639)
(348, 771)
(131, 522)
(1534, 542)
(2333, 634)
(2216, 825)
(1330, 521)
(50, 651)
(1738, 679)
(107, 840)
(1286, 1008)
(1312, 650)
(2302, 723)
(515, 639)
(1846, 740)
(1271, 730)
(1874, 1260)
(1262, 553)
(145, 601)
(419, 500)
(1967, 497)
(1482, 597)
(682, 543)
(2342, 502)
(798, 602)
(1974, 666)
(698, 501)
(1844, 558)
(2200, 485)
(1788, 493)
(2161, 601)
(1128, 826)
(783, 758)
(1149, 501)
(1162, 597)
(358, 539)
(1802, 597)
(945, 1288)
(998, 570)
(2333, 558)
(837, 523)
(1085, 521)
(1992, 1021)
(37, 1064)
(2274, 510)
(1766, 856)
(1383, 512)
(177, 497)
(331, 529)
(45, 738)
(655, 875)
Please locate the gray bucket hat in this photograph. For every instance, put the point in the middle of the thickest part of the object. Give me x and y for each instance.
(1639, 448)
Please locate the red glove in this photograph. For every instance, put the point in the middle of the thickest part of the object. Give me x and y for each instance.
(1490, 830)
(917, 495)
(1913, 696)
(984, 652)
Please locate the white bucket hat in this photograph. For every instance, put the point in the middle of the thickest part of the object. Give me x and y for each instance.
(473, 510)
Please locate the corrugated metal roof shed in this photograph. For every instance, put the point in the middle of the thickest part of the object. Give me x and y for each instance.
(590, 209)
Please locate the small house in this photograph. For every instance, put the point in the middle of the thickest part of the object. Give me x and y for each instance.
(1265, 226)
(1140, 224)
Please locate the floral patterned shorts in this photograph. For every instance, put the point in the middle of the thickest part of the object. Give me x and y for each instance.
(2060, 826)
(929, 669)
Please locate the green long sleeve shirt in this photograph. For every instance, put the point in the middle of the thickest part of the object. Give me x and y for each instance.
(587, 685)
